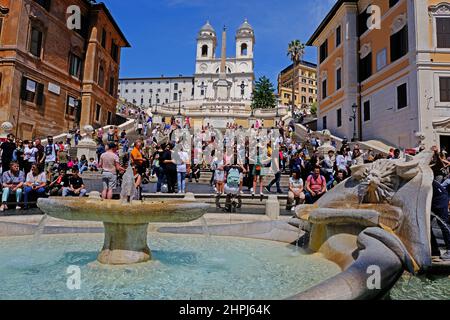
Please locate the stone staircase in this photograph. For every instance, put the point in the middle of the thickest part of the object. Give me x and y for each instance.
(301, 134)
(205, 178)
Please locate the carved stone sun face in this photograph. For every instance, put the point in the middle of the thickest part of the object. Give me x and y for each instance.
(378, 181)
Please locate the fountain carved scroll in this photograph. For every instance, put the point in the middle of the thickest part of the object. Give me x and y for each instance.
(384, 209)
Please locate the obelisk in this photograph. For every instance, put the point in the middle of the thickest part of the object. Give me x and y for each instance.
(222, 86)
(224, 53)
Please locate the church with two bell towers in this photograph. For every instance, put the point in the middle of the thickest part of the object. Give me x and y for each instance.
(224, 79)
(219, 92)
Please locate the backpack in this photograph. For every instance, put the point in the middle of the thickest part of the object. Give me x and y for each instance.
(233, 178)
(49, 150)
(110, 137)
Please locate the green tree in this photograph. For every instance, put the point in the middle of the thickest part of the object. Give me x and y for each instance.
(264, 94)
(314, 108)
(295, 52)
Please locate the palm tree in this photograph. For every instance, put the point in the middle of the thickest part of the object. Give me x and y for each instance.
(295, 52)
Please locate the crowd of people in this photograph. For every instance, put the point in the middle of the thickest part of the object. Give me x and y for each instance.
(30, 170)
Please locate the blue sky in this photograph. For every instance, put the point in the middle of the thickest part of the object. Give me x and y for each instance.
(163, 32)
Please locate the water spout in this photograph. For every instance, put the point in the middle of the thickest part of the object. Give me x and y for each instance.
(41, 227)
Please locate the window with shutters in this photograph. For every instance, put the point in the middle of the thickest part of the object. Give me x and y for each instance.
(338, 79)
(114, 51)
(443, 32)
(75, 66)
(32, 91)
(104, 38)
(444, 89)
(323, 51)
(339, 118)
(324, 89)
(110, 118)
(98, 112)
(101, 76)
(338, 36)
(399, 44)
(365, 67)
(402, 96)
(84, 27)
(112, 85)
(363, 17)
(366, 111)
(70, 106)
(35, 45)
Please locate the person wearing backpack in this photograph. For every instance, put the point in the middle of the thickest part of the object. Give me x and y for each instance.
(110, 135)
(233, 177)
(316, 186)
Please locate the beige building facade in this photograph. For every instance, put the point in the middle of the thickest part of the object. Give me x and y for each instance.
(397, 74)
(305, 83)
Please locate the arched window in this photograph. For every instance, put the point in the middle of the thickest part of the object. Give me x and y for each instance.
(204, 50)
(244, 49)
(227, 70)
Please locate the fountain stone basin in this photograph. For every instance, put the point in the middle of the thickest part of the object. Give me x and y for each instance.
(126, 224)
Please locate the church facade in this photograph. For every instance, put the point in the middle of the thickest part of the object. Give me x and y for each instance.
(202, 86)
(238, 70)
(218, 93)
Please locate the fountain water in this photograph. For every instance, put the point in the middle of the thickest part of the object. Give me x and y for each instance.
(41, 227)
(205, 227)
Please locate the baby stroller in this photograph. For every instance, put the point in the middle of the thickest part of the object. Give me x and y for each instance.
(233, 199)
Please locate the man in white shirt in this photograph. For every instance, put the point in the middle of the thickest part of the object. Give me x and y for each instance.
(51, 154)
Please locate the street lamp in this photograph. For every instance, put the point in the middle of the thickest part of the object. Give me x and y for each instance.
(77, 112)
(277, 117)
(179, 102)
(157, 99)
(353, 118)
(242, 89)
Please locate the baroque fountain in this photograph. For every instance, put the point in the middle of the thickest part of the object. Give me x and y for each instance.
(125, 221)
(377, 220)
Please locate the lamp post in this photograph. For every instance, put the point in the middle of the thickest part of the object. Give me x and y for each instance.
(242, 89)
(353, 118)
(179, 102)
(157, 99)
(277, 117)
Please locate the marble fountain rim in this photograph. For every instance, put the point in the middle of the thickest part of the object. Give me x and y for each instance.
(137, 212)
